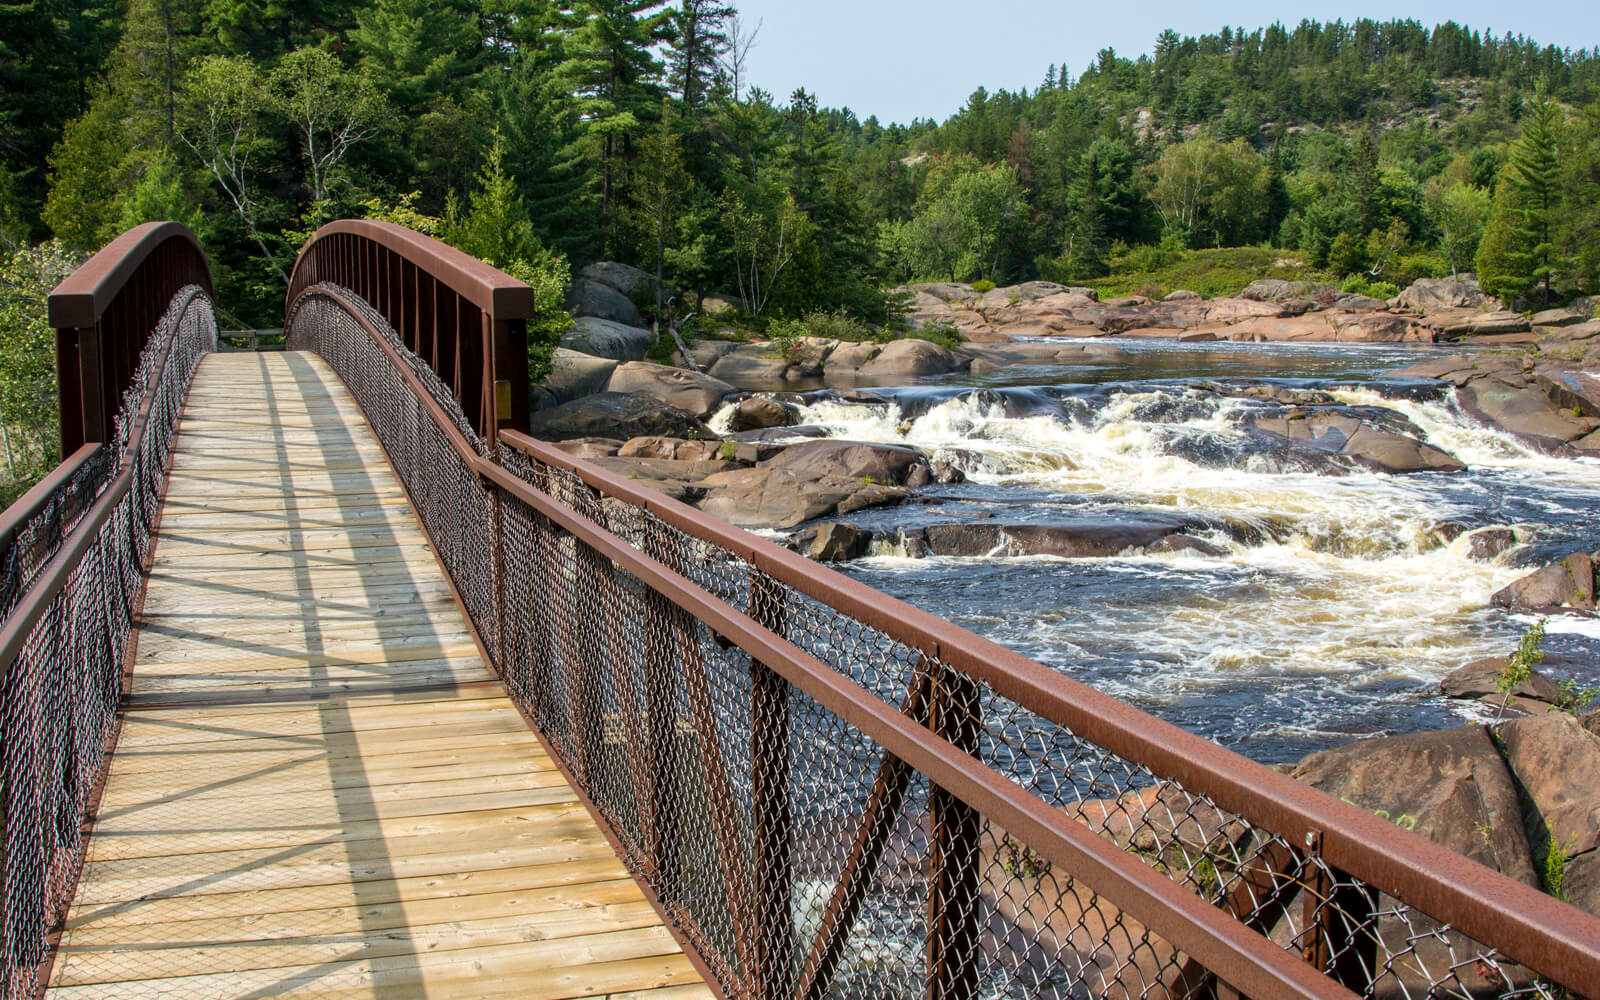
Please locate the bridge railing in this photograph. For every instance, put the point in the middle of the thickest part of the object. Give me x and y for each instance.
(132, 322)
(827, 792)
(466, 320)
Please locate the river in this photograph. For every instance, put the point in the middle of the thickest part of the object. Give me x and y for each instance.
(1339, 598)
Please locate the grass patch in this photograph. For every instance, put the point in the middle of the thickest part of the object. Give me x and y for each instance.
(1211, 273)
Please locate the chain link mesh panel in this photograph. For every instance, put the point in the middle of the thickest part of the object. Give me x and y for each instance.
(793, 852)
(62, 691)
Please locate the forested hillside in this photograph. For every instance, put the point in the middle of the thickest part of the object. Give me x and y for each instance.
(543, 135)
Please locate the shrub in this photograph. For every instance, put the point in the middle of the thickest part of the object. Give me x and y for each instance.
(943, 334)
(785, 336)
(1360, 284)
(983, 286)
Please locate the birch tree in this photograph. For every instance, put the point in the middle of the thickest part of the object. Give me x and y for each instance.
(332, 111)
(220, 123)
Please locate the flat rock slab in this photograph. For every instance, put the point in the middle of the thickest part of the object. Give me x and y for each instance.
(621, 415)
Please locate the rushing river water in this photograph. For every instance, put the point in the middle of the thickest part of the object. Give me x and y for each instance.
(1338, 602)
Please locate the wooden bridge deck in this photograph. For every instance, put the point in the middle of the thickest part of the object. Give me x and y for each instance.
(320, 789)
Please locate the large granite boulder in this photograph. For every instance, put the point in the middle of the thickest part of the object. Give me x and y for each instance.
(1455, 324)
(617, 415)
(765, 497)
(574, 375)
(1565, 585)
(1556, 761)
(1278, 290)
(698, 394)
(1431, 295)
(1349, 434)
(750, 365)
(604, 338)
(911, 358)
(595, 298)
(630, 281)
(1226, 311)
(1450, 786)
(1519, 405)
(881, 463)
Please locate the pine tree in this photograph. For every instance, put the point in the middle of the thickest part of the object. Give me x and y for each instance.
(699, 41)
(417, 50)
(1364, 182)
(263, 29)
(1518, 255)
(616, 79)
(129, 128)
(50, 53)
(664, 187)
(538, 123)
(495, 227)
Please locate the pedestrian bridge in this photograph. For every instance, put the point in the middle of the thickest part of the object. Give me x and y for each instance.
(323, 679)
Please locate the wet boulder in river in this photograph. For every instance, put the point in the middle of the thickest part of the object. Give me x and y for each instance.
(1364, 439)
(1480, 680)
(1568, 584)
(760, 412)
(838, 541)
(1489, 544)
(1078, 539)
(879, 463)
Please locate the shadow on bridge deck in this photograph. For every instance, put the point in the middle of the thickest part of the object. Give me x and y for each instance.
(320, 789)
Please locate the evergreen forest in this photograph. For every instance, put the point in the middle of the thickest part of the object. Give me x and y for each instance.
(543, 135)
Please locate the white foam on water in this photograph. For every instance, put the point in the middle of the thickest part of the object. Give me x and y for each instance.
(1358, 585)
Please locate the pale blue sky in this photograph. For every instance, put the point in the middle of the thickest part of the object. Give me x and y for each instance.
(900, 59)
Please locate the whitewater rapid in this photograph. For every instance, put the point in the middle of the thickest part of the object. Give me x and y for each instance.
(1361, 583)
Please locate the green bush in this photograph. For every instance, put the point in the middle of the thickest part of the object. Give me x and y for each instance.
(981, 287)
(943, 334)
(661, 351)
(1360, 284)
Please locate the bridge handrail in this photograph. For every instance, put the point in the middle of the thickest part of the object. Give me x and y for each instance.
(104, 311)
(1303, 839)
(74, 549)
(466, 318)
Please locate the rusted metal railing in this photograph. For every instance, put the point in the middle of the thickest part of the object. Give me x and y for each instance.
(132, 323)
(827, 792)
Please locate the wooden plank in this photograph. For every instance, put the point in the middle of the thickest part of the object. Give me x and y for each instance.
(339, 870)
(496, 879)
(529, 959)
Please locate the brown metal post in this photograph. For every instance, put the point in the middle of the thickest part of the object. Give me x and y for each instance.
(772, 833)
(1343, 913)
(92, 386)
(954, 828)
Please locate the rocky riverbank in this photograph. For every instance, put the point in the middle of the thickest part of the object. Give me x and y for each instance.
(1429, 311)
